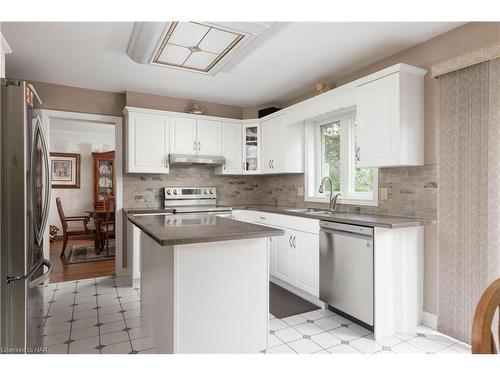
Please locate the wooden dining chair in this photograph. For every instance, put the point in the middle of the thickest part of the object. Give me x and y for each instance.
(108, 225)
(67, 233)
(483, 341)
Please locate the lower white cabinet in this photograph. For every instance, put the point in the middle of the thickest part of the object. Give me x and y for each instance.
(282, 253)
(305, 258)
(294, 257)
(133, 250)
(295, 260)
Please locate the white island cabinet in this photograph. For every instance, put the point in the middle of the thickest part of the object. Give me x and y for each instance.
(204, 283)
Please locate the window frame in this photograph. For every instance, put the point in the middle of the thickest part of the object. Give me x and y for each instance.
(313, 163)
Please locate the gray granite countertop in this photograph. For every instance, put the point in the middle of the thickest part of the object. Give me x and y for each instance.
(356, 218)
(191, 228)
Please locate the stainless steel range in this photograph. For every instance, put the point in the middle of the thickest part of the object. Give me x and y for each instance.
(192, 199)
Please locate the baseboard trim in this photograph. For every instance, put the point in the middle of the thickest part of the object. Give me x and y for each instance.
(123, 271)
(429, 319)
(297, 291)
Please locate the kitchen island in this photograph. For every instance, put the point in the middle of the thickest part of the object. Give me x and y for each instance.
(204, 282)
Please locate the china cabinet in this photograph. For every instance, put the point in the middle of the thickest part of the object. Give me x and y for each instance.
(104, 176)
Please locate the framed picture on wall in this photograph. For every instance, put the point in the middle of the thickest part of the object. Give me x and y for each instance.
(65, 170)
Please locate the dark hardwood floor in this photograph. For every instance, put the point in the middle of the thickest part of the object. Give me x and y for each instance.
(68, 272)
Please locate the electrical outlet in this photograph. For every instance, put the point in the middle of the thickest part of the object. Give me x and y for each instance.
(300, 191)
(383, 194)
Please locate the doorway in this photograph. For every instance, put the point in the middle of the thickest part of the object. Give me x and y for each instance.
(84, 228)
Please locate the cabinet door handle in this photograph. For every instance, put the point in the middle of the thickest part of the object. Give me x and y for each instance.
(358, 152)
(262, 217)
(195, 145)
(243, 165)
(272, 163)
(290, 241)
(269, 164)
(294, 242)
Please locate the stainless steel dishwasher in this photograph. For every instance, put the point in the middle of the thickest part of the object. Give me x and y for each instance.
(346, 269)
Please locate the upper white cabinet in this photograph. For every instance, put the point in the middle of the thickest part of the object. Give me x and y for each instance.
(390, 117)
(147, 142)
(282, 146)
(208, 136)
(251, 142)
(390, 129)
(191, 136)
(183, 136)
(231, 148)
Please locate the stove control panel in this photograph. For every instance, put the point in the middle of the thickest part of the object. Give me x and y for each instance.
(208, 192)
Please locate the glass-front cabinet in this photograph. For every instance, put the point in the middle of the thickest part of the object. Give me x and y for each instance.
(251, 148)
(104, 176)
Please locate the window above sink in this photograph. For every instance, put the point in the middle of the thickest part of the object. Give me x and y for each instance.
(332, 151)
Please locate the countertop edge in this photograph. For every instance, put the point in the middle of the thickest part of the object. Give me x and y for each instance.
(412, 222)
(269, 232)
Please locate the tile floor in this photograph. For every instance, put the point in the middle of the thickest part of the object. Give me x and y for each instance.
(102, 316)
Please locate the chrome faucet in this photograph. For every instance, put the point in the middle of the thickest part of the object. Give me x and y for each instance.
(333, 198)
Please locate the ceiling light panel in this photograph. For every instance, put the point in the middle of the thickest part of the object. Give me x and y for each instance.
(174, 55)
(216, 41)
(188, 34)
(200, 60)
(195, 46)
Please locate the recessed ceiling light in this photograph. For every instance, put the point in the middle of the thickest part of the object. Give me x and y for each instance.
(196, 37)
(202, 47)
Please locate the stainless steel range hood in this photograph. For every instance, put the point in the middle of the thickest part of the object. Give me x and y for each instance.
(197, 159)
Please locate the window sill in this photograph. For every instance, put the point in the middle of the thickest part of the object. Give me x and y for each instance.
(356, 201)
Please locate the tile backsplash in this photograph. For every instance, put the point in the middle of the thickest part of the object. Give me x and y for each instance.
(144, 190)
(412, 191)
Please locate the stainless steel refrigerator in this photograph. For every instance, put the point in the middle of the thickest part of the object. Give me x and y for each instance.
(24, 204)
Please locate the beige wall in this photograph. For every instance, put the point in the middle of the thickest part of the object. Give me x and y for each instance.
(136, 99)
(76, 99)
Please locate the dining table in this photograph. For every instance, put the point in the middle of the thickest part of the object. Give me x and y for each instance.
(98, 214)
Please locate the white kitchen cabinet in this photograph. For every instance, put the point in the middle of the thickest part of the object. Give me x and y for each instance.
(283, 253)
(193, 136)
(209, 137)
(294, 257)
(297, 260)
(306, 262)
(272, 255)
(133, 250)
(390, 119)
(147, 142)
(183, 136)
(282, 146)
(252, 141)
(231, 149)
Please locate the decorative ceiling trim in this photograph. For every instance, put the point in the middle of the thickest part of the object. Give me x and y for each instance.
(194, 49)
(467, 59)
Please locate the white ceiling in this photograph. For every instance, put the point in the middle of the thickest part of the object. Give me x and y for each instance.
(281, 64)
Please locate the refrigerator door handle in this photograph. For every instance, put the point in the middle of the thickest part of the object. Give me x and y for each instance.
(40, 280)
(39, 230)
(34, 270)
